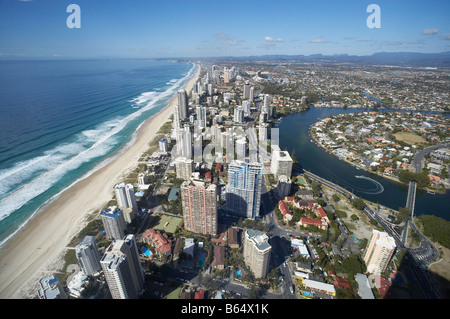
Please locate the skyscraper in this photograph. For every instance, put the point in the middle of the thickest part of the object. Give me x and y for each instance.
(266, 105)
(241, 149)
(263, 132)
(184, 167)
(122, 269)
(163, 145)
(379, 251)
(243, 191)
(199, 202)
(113, 222)
(201, 116)
(88, 256)
(246, 94)
(184, 142)
(257, 252)
(183, 104)
(281, 162)
(238, 115)
(126, 200)
(176, 117)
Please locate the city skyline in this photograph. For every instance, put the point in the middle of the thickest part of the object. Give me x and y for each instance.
(31, 29)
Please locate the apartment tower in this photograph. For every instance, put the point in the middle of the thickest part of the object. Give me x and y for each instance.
(122, 269)
(88, 256)
(257, 252)
(379, 251)
(243, 191)
(199, 203)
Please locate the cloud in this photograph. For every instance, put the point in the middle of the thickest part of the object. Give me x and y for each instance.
(362, 40)
(229, 39)
(348, 38)
(393, 43)
(270, 39)
(222, 35)
(317, 41)
(445, 36)
(231, 42)
(430, 31)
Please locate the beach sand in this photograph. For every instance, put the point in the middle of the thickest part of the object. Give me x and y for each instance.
(27, 256)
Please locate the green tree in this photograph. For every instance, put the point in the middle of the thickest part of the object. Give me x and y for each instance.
(358, 203)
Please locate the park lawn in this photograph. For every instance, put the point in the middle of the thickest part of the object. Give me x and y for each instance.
(410, 138)
(168, 223)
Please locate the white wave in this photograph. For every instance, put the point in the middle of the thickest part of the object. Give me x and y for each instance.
(378, 187)
(68, 157)
(143, 97)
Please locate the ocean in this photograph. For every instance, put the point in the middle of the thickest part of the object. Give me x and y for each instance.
(62, 120)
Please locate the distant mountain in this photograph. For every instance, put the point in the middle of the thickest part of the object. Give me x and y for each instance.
(414, 59)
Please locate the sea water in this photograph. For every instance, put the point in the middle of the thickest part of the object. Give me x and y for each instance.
(62, 120)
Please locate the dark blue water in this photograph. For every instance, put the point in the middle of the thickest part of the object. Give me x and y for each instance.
(295, 137)
(60, 119)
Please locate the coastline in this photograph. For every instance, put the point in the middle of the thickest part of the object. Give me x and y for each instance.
(24, 258)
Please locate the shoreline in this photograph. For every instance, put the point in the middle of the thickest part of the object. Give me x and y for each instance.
(24, 258)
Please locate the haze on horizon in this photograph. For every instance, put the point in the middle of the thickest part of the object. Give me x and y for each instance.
(200, 28)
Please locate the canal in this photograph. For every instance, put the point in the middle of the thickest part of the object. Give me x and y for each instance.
(295, 137)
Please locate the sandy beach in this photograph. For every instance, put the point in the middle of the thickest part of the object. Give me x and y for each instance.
(26, 257)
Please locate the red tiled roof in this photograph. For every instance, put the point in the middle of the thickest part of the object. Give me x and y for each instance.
(311, 221)
(321, 212)
(284, 208)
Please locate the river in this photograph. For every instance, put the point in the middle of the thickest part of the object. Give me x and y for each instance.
(295, 137)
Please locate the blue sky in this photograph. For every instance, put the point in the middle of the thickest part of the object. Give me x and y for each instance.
(208, 28)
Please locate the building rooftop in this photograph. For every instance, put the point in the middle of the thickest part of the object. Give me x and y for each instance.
(260, 239)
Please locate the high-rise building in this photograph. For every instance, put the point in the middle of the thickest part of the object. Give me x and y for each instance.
(262, 118)
(263, 132)
(184, 167)
(246, 105)
(126, 200)
(281, 162)
(257, 252)
(199, 202)
(210, 89)
(51, 288)
(238, 115)
(88, 256)
(113, 222)
(266, 105)
(246, 91)
(184, 142)
(243, 191)
(241, 149)
(201, 116)
(226, 76)
(183, 104)
(176, 117)
(122, 269)
(163, 145)
(252, 94)
(379, 251)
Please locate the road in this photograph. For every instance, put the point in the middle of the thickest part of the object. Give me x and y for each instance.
(417, 160)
